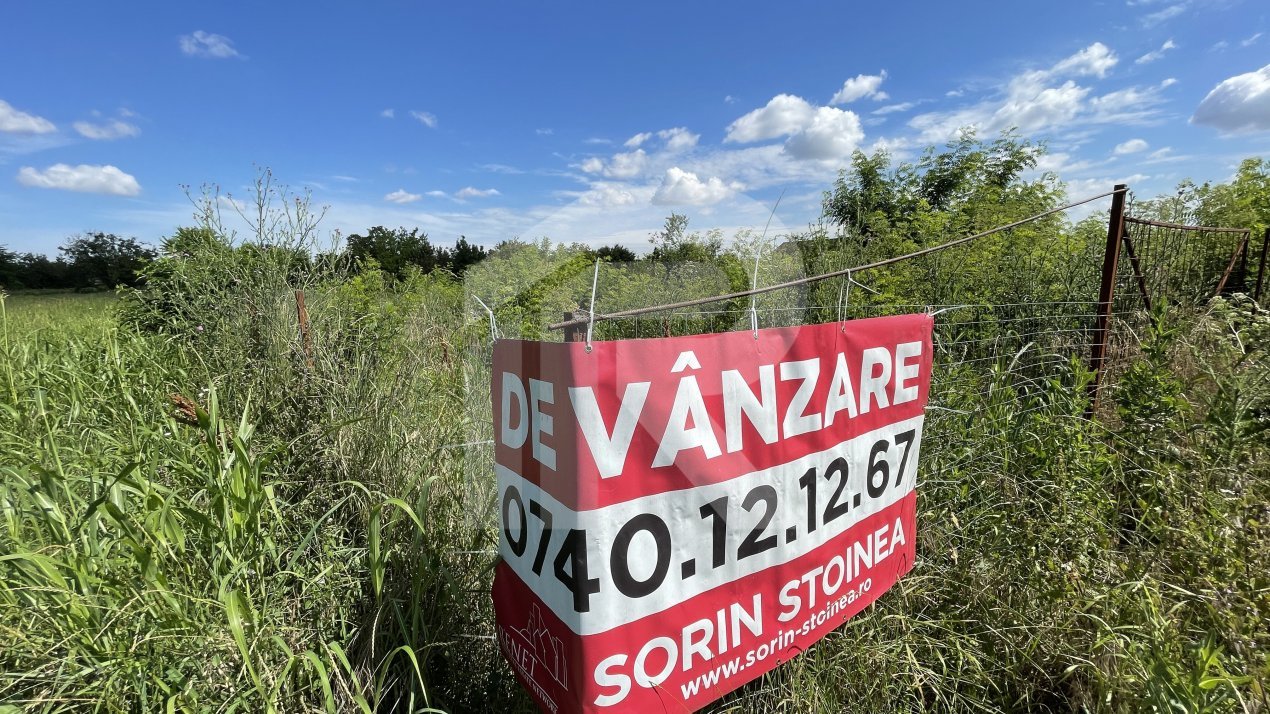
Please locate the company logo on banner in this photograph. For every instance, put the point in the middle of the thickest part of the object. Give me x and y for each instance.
(681, 515)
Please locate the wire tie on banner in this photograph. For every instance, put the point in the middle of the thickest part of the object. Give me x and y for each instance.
(844, 295)
(862, 286)
(590, 323)
(945, 309)
(493, 326)
(758, 251)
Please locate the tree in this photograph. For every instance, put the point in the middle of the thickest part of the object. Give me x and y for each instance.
(105, 260)
(9, 269)
(463, 256)
(616, 253)
(673, 243)
(970, 185)
(39, 272)
(395, 250)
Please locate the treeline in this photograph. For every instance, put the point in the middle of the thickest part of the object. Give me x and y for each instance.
(93, 261)
(102, 261)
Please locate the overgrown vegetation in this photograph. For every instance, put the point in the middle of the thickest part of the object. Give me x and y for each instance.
(203, 509)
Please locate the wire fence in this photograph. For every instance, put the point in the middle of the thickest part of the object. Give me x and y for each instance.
(1020, 322)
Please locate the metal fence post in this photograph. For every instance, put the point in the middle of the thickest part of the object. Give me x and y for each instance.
(306, 334)
(1106, 292)
(1261, 270)
(575, 333)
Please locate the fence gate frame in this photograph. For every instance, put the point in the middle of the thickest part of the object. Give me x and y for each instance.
(1118, 236)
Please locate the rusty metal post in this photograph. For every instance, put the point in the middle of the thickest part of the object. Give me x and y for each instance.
(1106, 293)
(306, 335)
(575, 333)
(1225, 276)
(1137, 272)
(1261, 270)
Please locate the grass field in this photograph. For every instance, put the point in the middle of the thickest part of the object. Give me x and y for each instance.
(64, 313)
(294, 531)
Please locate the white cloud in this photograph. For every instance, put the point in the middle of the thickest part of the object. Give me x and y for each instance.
(592, 165)
(892, 108)
(1251, 40)
(954, 93)
(607, 195)
(84, 178)
(626, 165)
(1081, 188)
(1164, 155)
(635, 141)
(545, 132)
(501, 169)
(1154, 55)
(471, 192)
(684, 188)
(832, 134)
(729, 99)
(426, 118)
(231, 203)
(1035, 101)
(678, 138)
(1131, 146)
(1167, 13)
(110, 130)
(388, 114)
(1238, 105)
(206, 44)
(859, 87)
(1063, 164)
(783, 115)
(19, 122)
(1131, 105)
(1034, 108)
(401, 197)
(820, 133)
(438, 194)
(1096, 59)
(1168, 82)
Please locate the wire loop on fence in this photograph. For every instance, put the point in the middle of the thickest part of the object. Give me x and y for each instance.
(493, 326)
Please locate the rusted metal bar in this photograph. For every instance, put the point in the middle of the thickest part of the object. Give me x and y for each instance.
(575, 331)
(1106, 293)
(1137, 272)
(1261, 270)
(837, 273)
(1182, 226)
(306, 335)
(1243, 245)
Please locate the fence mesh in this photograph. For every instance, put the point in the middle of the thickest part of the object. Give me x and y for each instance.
(1182, 266)
(1016, 319)
(1016, 312)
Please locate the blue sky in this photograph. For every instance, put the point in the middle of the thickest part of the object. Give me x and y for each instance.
(591, 121)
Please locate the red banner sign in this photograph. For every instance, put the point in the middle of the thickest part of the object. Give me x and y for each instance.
(681, 515)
